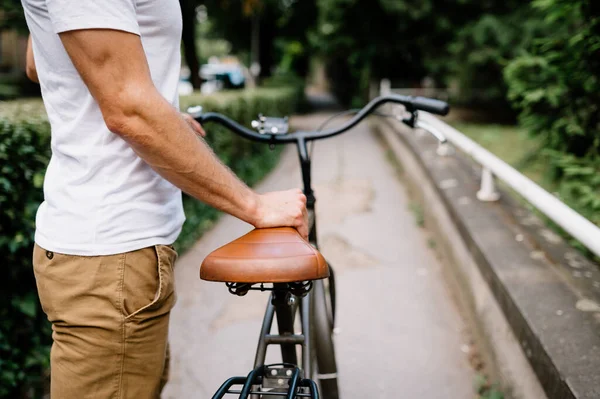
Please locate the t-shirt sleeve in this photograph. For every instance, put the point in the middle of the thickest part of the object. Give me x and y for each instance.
(67, 15)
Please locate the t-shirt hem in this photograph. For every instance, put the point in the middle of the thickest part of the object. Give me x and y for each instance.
(102, 250)
(84, 22)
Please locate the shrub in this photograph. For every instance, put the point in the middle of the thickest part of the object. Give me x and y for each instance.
(482, 49)
(24, 154)
(556, 85)
(580, 183)
(24, 331)
(295, 82)
(556, 88)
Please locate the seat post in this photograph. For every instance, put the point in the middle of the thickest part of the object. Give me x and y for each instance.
(284, 303)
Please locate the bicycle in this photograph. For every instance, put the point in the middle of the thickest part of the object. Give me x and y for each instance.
(301, 282)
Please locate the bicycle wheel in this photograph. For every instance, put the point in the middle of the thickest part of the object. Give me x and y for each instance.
(323, 339)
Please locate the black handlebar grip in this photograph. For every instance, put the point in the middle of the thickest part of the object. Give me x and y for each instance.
(431, 105)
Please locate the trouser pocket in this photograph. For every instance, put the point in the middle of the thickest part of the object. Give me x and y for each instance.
(148, 282)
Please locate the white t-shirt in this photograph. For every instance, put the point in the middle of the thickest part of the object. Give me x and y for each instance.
(100, 198)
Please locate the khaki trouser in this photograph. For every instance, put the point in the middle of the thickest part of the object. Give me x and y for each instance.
(110, 317)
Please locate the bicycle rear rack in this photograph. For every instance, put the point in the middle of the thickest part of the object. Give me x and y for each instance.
(284, 377)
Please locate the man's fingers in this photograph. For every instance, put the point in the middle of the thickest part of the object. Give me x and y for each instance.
(303, 223)
(303, 230)
(284, 208)
(196, 127)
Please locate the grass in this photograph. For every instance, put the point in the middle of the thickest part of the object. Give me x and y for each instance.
(513, 145)
(418, 212)
(485, 390)
(523, 152)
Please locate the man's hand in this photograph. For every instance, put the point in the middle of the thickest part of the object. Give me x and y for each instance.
(283, 208)
(196, 127)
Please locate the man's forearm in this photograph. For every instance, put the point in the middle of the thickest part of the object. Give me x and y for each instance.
(160, 136)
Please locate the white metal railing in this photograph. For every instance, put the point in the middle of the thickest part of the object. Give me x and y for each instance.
(572, 222)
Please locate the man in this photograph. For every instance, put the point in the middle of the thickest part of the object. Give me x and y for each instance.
(121, 152)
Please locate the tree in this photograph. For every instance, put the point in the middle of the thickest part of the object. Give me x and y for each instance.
(237, 23)
(482, 48)
(556, 87)
(364, 40)
(556, 83)
(188, 37)
(280, 22)
(294, 26)
(11, 15)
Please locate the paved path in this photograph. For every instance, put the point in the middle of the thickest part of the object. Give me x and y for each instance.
(400, 335)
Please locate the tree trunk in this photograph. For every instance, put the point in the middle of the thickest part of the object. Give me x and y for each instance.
(189, 40)
(267, 38)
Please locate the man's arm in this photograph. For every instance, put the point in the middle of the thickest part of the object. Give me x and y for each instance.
(30, 63)
(31, 72)
(114, 67)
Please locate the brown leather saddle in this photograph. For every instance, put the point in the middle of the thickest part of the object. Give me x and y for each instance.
(274, 255)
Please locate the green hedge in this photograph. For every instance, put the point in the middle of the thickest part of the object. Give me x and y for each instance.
(24, 331)
(24, 154)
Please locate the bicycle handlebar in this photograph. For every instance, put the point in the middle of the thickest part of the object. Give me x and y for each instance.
(231, 125)
(431, 105)
(411, 103)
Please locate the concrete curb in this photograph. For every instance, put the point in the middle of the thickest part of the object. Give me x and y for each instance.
(524, 304)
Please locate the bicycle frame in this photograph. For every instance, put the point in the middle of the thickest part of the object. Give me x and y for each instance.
(314, 315)
(284, 311)
(283, 305)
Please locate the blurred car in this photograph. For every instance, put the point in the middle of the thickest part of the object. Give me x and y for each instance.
(228, 71)
(184, 87)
